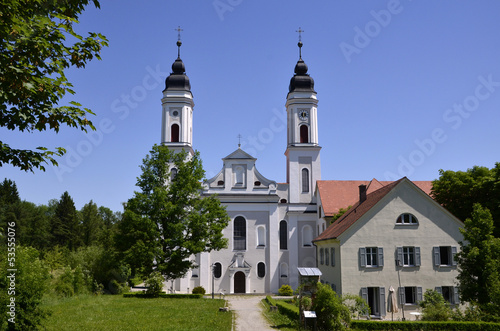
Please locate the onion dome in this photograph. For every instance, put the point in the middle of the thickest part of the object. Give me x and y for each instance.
(178, 80)
(301, 81)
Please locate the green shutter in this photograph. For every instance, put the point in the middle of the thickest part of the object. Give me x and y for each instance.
(456, 297)
(399, 254)
(419, 294)
(437, 257)
(453, 253)
(402, 298)
(382, 300)
(362, 257)
(417, 256)
(380, 257)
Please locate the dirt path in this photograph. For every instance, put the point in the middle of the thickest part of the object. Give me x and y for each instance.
(248, 310)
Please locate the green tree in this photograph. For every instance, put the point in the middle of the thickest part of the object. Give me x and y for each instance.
(92, 224)
(434, 307)
(31, 281)
(65, 227)
(38, 43)
(169, 220)
(338, 215)
(331, 313)
(479, 263)
(458, 191)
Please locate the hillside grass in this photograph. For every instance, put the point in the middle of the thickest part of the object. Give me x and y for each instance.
(114, 312)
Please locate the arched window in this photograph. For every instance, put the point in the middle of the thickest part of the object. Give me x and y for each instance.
(406, 218)
(284, 270)
(174, 133)
(239, 234)
(261, 236)
(305, 180)
(261, 269)
(304, 134)
(307, 236)
(217, 270)
(283, 235)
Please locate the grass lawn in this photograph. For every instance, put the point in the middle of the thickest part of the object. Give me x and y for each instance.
(281, 322)
(114, 312)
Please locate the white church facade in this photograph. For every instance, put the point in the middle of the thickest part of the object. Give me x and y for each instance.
(274, 227)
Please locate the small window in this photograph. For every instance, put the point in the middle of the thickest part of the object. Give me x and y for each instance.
(371, 257)
(410, 295)
(173, 174)
(261, 269)
(407, 219)
(257, 183)
(304, 134)
(261, 236)
(327, 256)
(220, 183)
(322, 256)
(449, 293)
(305, 180)
(445, 256)
(174, 133)
(239, 233)
(307, 236)
(283, 235)
(283, 201)
(332, 255)
(217, 270)
(408, 256)
(284, 270)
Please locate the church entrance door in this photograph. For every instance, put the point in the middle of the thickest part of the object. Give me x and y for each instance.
(239, 282)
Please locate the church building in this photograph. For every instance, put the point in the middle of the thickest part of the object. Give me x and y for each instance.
(274, 227)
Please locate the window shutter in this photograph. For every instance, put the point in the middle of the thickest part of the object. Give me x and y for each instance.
(362, 256)
(439, 290)
(453, 253)
(417, 256)
(399, 255)
(380, 256)
(402, 298)
(456, 297)
(382, 300)
(419, 294)
(333, 256)
(364, 293)
(437, 257)
(334, 288)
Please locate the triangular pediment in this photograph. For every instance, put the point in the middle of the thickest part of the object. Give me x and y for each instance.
(239, 154)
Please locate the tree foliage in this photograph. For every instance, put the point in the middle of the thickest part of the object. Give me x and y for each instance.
(434, 307)
(458, 191)
(38, 43)
(331, 313)
(169, 220)
(479, 263)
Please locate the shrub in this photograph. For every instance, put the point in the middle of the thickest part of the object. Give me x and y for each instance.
(423, 325)
(144, 295)
(154, 284)
(199, 290)
(331, 313)
(288, 309)
(285, 290)
(434, 307)
(356, 305)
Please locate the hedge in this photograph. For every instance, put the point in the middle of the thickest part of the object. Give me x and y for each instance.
(162, 295)
(424, 326)
(287, 309)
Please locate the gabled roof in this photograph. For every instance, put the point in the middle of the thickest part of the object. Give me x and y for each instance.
(356, 212)
(336, 194)
(239, 154)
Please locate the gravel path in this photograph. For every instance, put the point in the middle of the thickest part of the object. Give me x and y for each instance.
(248, 311)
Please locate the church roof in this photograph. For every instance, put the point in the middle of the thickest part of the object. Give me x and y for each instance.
(357, 211)
(336, 194)
(178, 80)
(239, 154)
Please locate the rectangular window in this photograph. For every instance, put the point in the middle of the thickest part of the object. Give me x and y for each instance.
(321, 255)
(410, 295)
(445, 256)
(449, 293)
(332, 255)
(327, 256)
(408, 256)
(371, 256)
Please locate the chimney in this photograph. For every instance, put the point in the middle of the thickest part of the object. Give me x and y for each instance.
(362, 193)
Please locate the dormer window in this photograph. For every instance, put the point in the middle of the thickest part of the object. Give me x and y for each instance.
(257, 183)
(407, 219)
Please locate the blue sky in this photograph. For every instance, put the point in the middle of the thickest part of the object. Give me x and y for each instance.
(405, 88)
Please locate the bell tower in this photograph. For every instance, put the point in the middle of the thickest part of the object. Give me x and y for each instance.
(303, 151)
(177, 107)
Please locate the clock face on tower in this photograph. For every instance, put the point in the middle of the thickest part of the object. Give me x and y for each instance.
(303, 114)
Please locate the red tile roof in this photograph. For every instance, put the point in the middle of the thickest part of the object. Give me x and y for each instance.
(336, 194)
(356, 212)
